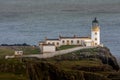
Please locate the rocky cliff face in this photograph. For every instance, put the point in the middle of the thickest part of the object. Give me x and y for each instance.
(107, 58)
(46, 71)
(101, 53)
(87, 64)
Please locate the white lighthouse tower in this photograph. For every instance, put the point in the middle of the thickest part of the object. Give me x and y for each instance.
(95, 32)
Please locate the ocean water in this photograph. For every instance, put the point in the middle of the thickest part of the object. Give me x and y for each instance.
(30, 21)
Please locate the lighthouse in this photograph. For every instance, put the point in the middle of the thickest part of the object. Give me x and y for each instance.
(95, 32)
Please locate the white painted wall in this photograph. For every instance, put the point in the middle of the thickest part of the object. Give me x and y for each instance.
(53, 41)
(71, 43)
(18, 53)
(48, 48)
(88, 43)
(93, 36)
(68, 41)
(41, 46)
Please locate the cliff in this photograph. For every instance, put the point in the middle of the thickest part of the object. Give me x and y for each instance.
(100, 53)
(87, 64)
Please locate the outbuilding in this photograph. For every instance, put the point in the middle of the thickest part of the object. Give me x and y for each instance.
(18, 53)
(48, 48)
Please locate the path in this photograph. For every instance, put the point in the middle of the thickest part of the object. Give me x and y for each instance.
(48, 55)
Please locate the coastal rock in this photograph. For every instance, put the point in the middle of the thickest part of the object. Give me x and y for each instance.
(101, 53)
(87, 64)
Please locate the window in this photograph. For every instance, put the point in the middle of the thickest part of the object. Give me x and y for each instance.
(71, 41)
(95, 38)
(95, 33)
(77, 41)
(53, 43)
(63, 41)
(67, 40)
(48, 42)
(57, 43)
(95, 43)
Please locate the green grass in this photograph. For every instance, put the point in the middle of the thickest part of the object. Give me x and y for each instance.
(66, 47)
(65, 65)
(9, 50)
(69, 64)
(30, 50)
(90, 50)
(73, 65)
(5, 51)
(12, 69)
(10, 76)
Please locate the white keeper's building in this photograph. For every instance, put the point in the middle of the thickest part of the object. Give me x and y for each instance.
(49, 45)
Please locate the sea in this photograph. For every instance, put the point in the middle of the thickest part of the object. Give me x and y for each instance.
(30, 21)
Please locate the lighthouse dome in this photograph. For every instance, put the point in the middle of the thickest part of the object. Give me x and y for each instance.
(95, 20)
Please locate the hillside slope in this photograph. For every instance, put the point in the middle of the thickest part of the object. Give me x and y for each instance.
(87, 64)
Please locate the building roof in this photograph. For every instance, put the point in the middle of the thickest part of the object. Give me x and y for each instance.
(48, 45)
(53, 39)
(73, 37)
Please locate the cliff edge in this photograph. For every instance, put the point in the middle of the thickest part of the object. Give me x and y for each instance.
(99, 53)
(86, 64)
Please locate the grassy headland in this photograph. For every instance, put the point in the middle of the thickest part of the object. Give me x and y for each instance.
(87, 64)
(66, 47)
(9, 50)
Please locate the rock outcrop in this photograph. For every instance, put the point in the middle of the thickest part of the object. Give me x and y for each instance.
(46, 71)
(102, 53)
(87, 64)
(70, 66)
